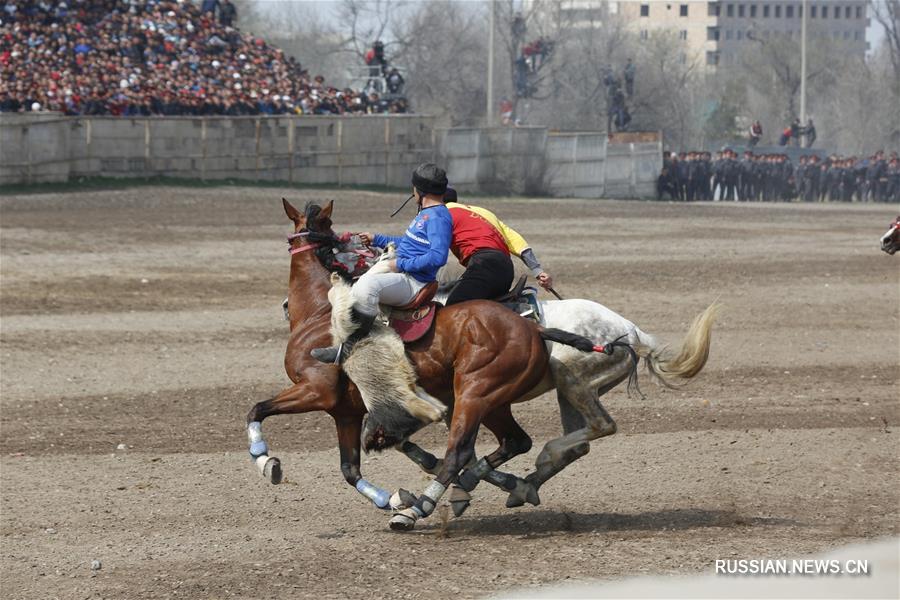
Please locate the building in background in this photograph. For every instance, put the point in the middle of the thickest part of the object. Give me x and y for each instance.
(716, 32)
(719, 31)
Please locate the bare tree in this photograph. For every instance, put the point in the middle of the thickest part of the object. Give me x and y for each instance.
(859, 114)
(445, 68)
(367, 21)
(584, 52)
(515, 27)
(298, 29)
(887, 14)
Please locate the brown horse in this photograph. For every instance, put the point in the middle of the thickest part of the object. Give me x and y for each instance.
(478, 359)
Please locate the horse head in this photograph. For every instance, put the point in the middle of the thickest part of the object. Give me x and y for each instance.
(313, 219)
(890, 241)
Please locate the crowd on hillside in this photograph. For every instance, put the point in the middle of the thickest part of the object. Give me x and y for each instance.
(690, 176)
(155, 57)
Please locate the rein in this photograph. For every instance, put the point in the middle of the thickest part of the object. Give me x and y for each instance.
(335, 252)
(311, 246)
(304, 247)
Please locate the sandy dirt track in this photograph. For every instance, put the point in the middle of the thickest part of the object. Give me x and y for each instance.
(151, 317)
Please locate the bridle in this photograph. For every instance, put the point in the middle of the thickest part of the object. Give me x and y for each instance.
(328, 248)
(298, 249)
(317, 240)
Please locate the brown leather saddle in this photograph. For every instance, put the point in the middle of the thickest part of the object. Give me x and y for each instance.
(414, 319)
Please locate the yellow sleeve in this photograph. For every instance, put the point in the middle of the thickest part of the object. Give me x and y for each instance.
(514, 241)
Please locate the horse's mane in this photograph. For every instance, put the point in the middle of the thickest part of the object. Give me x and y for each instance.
(314, 221)
(311, 210)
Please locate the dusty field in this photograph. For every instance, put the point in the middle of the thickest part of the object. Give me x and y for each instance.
(151, 318)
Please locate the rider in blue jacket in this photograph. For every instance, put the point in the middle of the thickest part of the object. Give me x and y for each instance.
(421, 251)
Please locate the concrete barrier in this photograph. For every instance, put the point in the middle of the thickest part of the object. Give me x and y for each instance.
(371, 150)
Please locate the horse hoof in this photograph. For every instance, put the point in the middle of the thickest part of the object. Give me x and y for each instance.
(459, 500)
(272, 471)
(531, 491)
(514, 501)
(404, 520)
(402, 499)
(459, 507)
(523, 492)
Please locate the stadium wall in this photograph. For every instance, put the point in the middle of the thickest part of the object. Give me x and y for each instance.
(371, 150)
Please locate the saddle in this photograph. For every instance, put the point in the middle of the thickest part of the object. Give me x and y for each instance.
(523, 300)
(515, 294)
(414, 319)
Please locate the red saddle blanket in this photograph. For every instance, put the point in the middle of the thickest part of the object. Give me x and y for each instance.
(412, 325)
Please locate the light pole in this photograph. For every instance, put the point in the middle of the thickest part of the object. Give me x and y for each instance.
(805, 9)
(490, 73)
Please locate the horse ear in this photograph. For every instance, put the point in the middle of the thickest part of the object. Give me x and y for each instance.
(326, 210)
(292, 213)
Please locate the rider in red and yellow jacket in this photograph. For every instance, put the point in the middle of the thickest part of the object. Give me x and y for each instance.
(483, 244)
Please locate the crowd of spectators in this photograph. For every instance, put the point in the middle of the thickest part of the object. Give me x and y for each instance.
(690, 176)
(155, 57)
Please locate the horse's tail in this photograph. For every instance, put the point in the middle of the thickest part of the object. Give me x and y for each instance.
(692, 356)
(579, 342)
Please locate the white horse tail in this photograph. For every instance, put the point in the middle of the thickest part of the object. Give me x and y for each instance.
(692, 356)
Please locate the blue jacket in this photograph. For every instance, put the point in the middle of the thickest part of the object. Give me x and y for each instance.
(424, 248)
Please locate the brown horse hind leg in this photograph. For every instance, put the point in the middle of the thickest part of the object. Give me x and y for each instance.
(513, 441)
(460, 450)
(459, 497)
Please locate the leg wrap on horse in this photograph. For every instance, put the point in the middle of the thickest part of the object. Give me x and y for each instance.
(427, 461)
(427, 502)
(268, 466)
(469, 478)
(379, 497)
(258, 446)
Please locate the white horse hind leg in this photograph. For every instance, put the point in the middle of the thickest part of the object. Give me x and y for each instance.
(558, 453)
(268, 466)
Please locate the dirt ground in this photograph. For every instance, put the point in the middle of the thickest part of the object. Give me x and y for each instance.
(140, 325)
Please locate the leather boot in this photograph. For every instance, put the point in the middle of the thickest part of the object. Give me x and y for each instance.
(338, 354)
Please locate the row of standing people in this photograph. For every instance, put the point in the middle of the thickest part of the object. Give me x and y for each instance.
(872, 179)
(689, 176)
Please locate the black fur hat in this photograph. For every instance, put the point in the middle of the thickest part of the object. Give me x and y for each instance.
(429, 178)
(450, 195)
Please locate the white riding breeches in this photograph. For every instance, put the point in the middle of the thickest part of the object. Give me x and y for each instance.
(393, 289)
